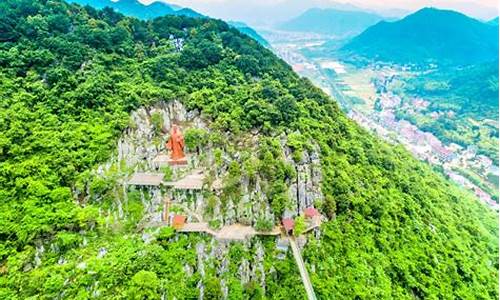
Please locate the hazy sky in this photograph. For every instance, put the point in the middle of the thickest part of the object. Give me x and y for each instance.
(394, 3)
(270, 11)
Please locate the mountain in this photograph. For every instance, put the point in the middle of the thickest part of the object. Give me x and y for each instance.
(266, 13)
(493, 21)
(244, 28)
(137, 9)
(332, 22)
(429, 35)
(88, 99)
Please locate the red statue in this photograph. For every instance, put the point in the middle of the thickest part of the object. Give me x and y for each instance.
(176, 144)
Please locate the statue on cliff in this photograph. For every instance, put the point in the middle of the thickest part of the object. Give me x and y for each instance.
(176, 146)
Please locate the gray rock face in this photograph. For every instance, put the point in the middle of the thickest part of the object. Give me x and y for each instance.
(200, 251)
(140, 145)
(136, 146)
(61, 261)
(38, 253)
(201, 288)
(259, 272)
(188, 270)
(306, 188)
(244, 272)
(102, 252)
(230, 217)
(224, 288)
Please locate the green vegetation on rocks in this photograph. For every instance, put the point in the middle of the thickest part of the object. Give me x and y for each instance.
(69, 78)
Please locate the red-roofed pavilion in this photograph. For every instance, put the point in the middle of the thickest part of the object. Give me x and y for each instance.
(288, 224)
(178, 221)
(311, 212)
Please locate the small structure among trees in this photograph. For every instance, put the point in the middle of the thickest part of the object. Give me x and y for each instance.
(178, 221)
(288, 225)
(311, 212)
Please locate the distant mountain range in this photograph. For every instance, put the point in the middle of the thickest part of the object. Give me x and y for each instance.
(245, 29)
(337, 22)
(136, 9)
(493, 21)
(429, 35)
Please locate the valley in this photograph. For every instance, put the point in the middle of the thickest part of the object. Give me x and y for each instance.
(374, 97)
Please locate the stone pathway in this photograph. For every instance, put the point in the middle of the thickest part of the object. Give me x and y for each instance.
(146, 179)
(234, 232)
(192, 181)
(189, 211)
(302, 269)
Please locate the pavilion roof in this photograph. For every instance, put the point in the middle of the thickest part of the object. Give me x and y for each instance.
(288, 223)
(178, 221)
(311, 212)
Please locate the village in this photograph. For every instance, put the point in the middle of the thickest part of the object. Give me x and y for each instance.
(458, 163)
(425, 145)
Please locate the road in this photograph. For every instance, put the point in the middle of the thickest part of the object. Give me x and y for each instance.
(302, 269)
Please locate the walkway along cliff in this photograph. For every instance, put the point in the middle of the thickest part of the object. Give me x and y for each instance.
(196, 186)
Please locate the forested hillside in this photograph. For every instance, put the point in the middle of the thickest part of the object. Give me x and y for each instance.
(136, 9)
(471, 93)
(429, 35)
(244, 28)
(70, 76)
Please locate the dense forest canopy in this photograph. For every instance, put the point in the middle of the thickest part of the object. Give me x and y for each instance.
(470, 91)
(139, 10)
(70, 76)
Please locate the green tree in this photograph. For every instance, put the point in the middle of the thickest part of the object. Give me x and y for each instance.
(144, 285)
(300, 226)
(196, 139)
(212, 288)
(157, 121)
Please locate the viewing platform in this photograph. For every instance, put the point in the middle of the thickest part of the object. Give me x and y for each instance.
(193, 181)
(146, 179)
(162, 160)
(234, 232)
